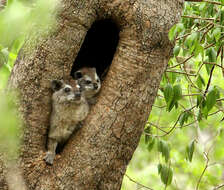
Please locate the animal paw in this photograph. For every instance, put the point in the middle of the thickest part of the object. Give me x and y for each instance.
(49, 158)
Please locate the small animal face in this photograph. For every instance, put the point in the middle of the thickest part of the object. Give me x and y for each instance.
(63, 92)
(88, 80)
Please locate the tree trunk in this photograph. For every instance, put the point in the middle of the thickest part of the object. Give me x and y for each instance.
(95, 157)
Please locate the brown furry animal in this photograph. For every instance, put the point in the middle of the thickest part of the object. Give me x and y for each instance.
(90, 83)
(69, 107)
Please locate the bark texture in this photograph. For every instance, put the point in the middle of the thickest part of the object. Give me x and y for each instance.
(96, 156)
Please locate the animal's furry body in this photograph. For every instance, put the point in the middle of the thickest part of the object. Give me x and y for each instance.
(90, 83)
(69, 107)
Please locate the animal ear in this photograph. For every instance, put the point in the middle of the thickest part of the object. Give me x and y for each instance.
(56, 85)
(77, 75)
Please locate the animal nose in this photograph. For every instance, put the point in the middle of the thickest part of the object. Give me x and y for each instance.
(78, 94)
(95, 86)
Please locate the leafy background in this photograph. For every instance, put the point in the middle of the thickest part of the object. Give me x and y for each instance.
(19, 21)
(182, 144)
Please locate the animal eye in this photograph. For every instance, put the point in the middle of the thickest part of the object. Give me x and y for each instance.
(67, 89)
(88, 81)
(97, 80)
(78, 75)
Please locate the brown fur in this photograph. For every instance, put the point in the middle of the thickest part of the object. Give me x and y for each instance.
(91, 90)
(68, 109)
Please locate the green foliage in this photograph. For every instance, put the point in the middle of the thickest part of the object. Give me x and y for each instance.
(166, 174)
(163, 147)
(19, 21)
(10, 127)
(184, 117)
(188, 108)
(190, 151)
(24, 20)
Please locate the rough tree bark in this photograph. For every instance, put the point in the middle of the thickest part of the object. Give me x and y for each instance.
(96, 156)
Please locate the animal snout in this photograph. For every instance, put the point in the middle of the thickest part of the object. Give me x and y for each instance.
(95, 86)
(78, 94)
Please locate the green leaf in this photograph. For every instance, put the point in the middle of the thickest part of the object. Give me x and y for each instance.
(170, 105)
(191, 40)
(179, 27)
(151, 144)
(208, 68)
(166, 175)
(184, 117)
(211, 99)
(200, 97)
(175, 30)
(217, 34)
(168, 93)
(204, 111)
(222, 1)
(163, 147)
(211, 53)
(190, 151)
(176, 50)
(172, 95)
(172, 77)
(202, 6)
(147, 130)
(159, 168)
(177, 91)
(198, 50)
(172, 33)
(222, 15)
(200, 81)
(176, 105)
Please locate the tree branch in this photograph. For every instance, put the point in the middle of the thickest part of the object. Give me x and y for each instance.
(203, 172)
(184, 73)
(137, 182)
(218, 187)
(209, 80)
(195, 17)
(212, 2)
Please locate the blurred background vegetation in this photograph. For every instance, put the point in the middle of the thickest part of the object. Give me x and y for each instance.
(20, 21)
(182, 144)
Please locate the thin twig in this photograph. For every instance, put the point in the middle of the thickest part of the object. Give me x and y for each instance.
(199, 68)
(161, 107)
(195, 17)
(174, 126)
(196, 94)
(218, 187)
(194, 0)
(187, 59)
(211, 2)
(158, 127)
(209, 80)
(214, 113)
(183, 73)
(189, 79)
(201, 29)
(208, 29)
(212, 63)
(220, 99)
(203, 172)
(137, 182)
(188, 124)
